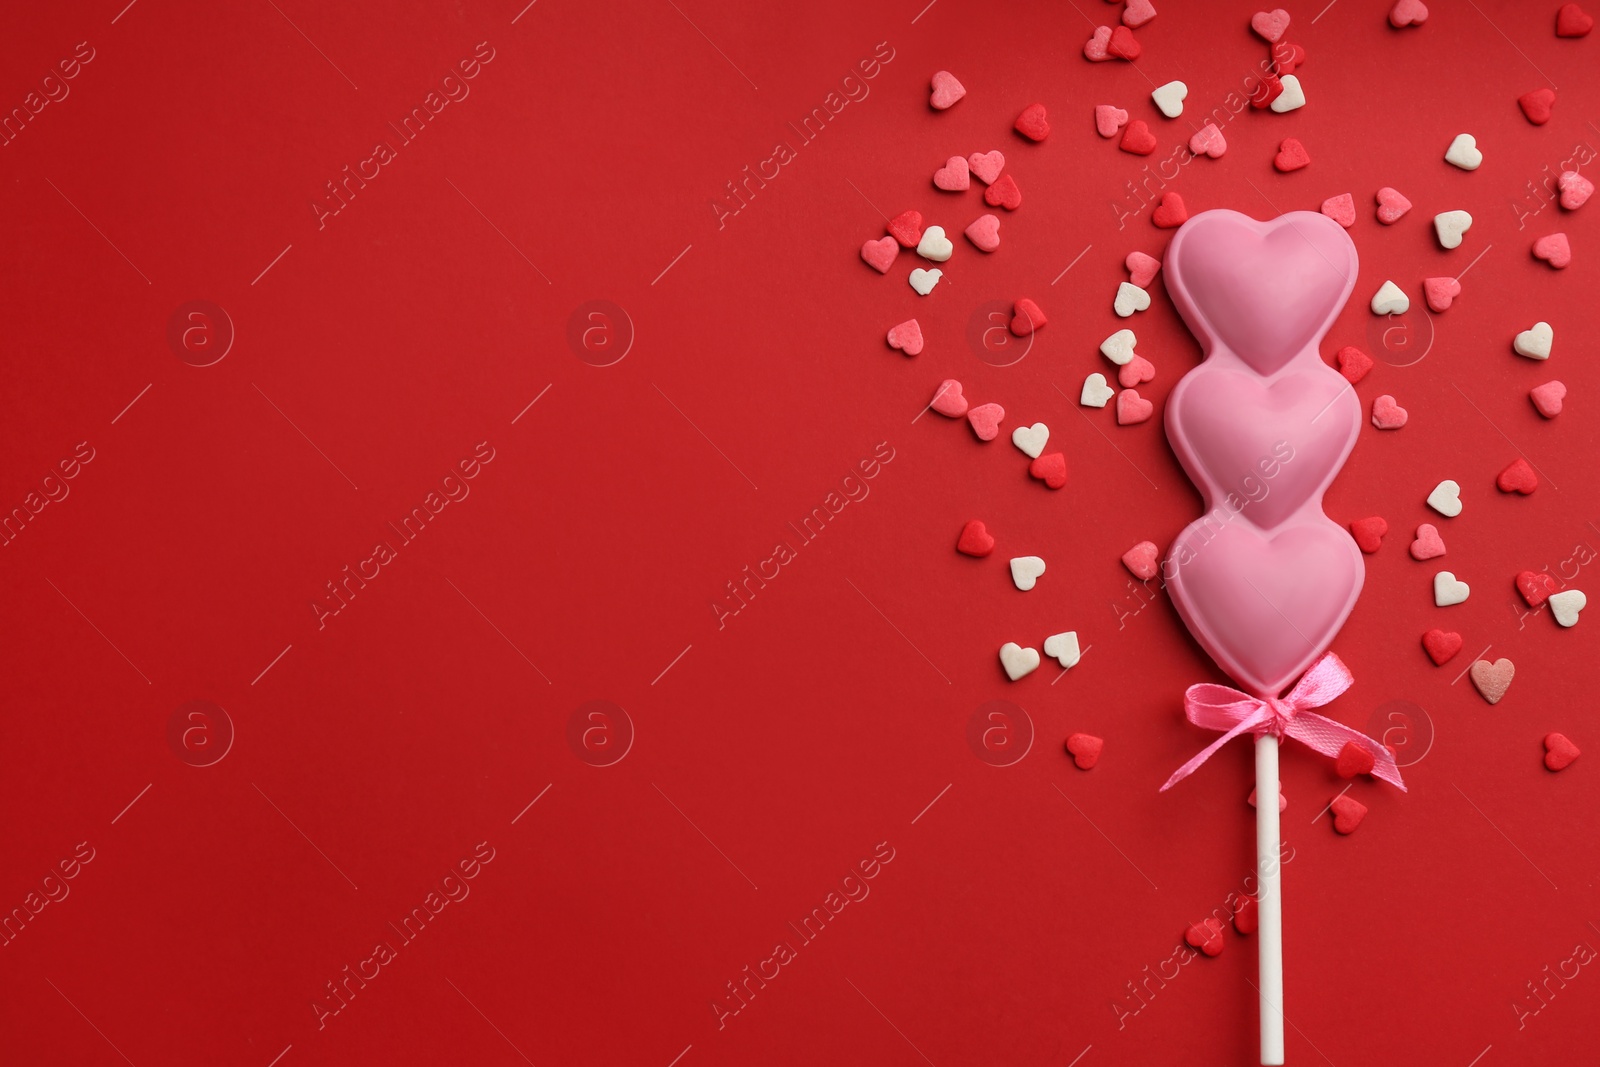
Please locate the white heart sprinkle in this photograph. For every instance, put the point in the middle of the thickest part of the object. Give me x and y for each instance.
(1170, 97)
(1019, 662)
(1535, 343)
(935, 245)
(1118, 348)
(1292, 96)
(1447, 590)
(1390, 300)
(1064, 647)
(1564, 606)
(1025, 571)
(1450, 225)
(1446, 498)
(1130, 298)
(1463, 152)
(923, 281)
(1095, 391)
(1031, 439)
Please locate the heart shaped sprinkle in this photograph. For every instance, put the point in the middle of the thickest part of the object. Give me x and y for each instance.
(935, 245)
(1003, 193)
(1265, 89)
(1448, 590)
(906, 228)
(1137, 138)
(1571, 21)
(1575, 189)
(1492, 679)
(1353, 363)
(1095, 392)
(1171, 212)
(1025, 571)
(1064, 647)
(879, 254)
(1408, 13)
(1108, 120)
(1292, 155)
(955, 176)
(1369, 532)
(1354, 758)
(1388, 415)
(1446, 498)
(1032, 123)
(1535, 343)
(1554, 249)
(1287, 57)
(985, 420)
(1208, 141)
(984, 232)
(1464, 153)
(1141, 560)
(1129, 299)
(975, 540)
(1123, 44)
(1441, 646)
(1390, 299)
(1565, 606)
(1085, 750)
(1537, 104)
(986, 166)
(921, 280)
(1118, 348)
(1535, 587)
(1246, 915)
(1283, 802)
(1270, 25)
(1095, 49)
(947, 399)
(1292, 97)
(1169, 98)
(1449, 226)
(1138, 12)
(1518, 477)
(1205, 936)
(1136, 371)
(1051, 469)
(1548, 397)
(1031, 439)
(1347, 813)
(1141, 268)
(1026, 317)
(1341, 209)
(1391, 206)
(1132, 408)
(1441, 292)
(946, 90)
(1018, 662)
(907, 337)
(1428, 543)
(1559, 752)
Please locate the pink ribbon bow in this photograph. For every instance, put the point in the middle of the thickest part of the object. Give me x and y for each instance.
(1218, 707)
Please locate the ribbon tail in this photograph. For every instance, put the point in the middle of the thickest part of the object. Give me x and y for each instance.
(1187, 769)
(1327, 737)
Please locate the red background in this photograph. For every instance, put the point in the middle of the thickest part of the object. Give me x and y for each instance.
(772, 755)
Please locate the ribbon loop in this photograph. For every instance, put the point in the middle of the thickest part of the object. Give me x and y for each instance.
(1227, 710)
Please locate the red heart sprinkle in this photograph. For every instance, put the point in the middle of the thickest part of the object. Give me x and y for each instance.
(1137, 138)
(1391, 205)
(906, 228)
(1266, 90)
(1408, 13)
(1441, 292)
(1287, 57)
(1032, 123)
(1369, 533)
(1270, 24)
(975, 540)
(985, 420)
(955, 176)
(1171, 212)
(1026, 317)
(1571, 21)
(1085, 749)
(1123, 44)
(1353, 363)
(907, 337)
(1246, 917)
(1051, 469)
(1441, 646)
(1354, 759)
(1205, 936)
(1141, 560)
(947, 399)
(1548, 397)
(1141, 268)
(1003, 193)
(1341, 209)
(1136, 371)
(946, 90)
(1132, 408)
(1554, 249)
(1559, 752)
(1518, 478)
(1292, 155)
(1428, 545)
(1347, 813)
(1536, 105)
(1536, 587)
(880, 254)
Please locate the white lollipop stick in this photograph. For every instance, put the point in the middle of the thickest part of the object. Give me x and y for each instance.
(1269, 903)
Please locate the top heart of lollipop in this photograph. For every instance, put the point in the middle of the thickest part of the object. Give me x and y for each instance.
(1265, 291)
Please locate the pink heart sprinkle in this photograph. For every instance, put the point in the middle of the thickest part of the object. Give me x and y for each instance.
(954, 176)
(1553, 249)
(985, 232)
(1391, 205)
(1386, 414)
(1132, 408)
(1137, 13)
(1108, 120)
(1441, 292)
(1548, 397)
(985, 420)
(946, 90)
(1096, 48)
(1341, 209)
(947, 399)
(1136, 371)
(1575, 189)
(880, 253)
(1141, 560)
(1208, 141)
(1141, 268)
(987, 165)
(1270, 24)
(1428, 545)
(907, 337)
(1408, 13)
